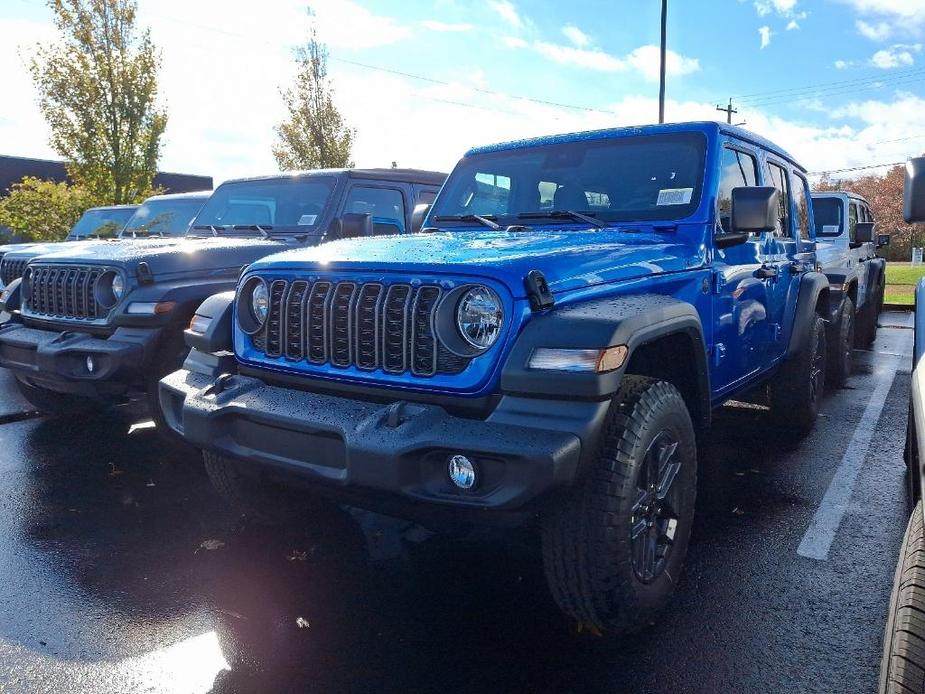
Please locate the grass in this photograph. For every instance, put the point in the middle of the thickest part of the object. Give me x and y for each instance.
(901, 279)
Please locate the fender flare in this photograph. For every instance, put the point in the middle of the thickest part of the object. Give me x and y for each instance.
(876, 272)
(633, 321)
(837, 278)
(813, 287)
(218, 310)
(12, 296)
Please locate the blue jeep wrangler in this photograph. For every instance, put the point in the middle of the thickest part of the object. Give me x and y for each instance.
(846, 252)
(550, 346)
(96, 322)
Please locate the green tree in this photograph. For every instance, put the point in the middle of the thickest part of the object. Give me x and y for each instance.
(98, 91)
(43, 210)
(315, 135)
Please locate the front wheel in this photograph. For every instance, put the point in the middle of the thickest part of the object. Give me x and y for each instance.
(614, 547)
(796, 390)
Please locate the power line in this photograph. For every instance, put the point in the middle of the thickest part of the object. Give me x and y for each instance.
(835, 91)
(760, 96)
(728, 110)
(857, 168)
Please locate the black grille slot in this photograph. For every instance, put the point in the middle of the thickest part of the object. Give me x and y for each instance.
(11, 269)
(349, 324)
(64, 292)
(274, 327)
(423, 340)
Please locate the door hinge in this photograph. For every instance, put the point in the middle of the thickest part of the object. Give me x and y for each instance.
(719, 282)
(719, 353)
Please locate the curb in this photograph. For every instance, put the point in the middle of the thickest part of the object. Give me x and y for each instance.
(898, 307)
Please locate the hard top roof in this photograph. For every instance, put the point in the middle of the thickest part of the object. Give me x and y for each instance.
(840, 194)
(398, 175)
(198, 194)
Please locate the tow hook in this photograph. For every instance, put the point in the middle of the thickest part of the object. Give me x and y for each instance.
(219, 384)
(63, 337)
(393, 416)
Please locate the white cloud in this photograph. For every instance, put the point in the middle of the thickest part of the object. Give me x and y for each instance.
(842, 64)
(514, 42)
(435, 25)
(508, 12)
(591, 58)
(784, 8)
(765, 33)
(874, 32)
(576, 35)
(906, 9)
(792, 25)
(647, 59)
(896, 56)
(345, 24)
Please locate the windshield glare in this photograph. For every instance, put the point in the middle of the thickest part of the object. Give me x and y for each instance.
(100, 223)
(163, 217)
(827, 213)
(291, 204)
(646, 177)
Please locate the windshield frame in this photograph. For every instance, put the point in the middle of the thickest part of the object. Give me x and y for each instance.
(465, 171)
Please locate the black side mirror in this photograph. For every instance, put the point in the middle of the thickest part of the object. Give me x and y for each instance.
(883, 240)
(914, 191)
(864, 232)
(356, 224)
(417, 217)
(754, 209)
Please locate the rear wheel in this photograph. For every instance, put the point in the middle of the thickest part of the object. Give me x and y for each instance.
(796, 391)
(614, 547)
(841, 347)
(58, 404)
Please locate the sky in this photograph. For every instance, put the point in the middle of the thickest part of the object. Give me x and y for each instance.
(838, 83)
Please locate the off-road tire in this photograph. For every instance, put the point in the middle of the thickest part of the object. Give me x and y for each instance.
(796, 391)
(866, 329)
(256, 500)
(838, 367)
(902, 667)
(58, 404)
(586, 536)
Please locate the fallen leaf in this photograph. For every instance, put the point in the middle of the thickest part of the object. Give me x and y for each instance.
(114, 471)
(297, 555)
(302, 623)
(210, 545)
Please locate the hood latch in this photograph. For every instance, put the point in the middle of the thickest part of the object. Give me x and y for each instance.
(538, 291)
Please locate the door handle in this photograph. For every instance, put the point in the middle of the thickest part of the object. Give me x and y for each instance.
(766, 273)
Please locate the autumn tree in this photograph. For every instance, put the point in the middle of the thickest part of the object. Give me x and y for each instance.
(98, 91)
(314, 136)
(885, 195)
(43, 210)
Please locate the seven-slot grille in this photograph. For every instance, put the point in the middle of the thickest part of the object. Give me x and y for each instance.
(364, 325)
(65, 292)
(11, 269)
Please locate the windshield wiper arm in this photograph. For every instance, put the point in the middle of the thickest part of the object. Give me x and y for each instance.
(484, 220)
(264, 230)
(208, 227)
(563, 214)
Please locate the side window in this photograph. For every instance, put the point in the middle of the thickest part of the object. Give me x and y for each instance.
(426, 197)
(386, 206)
(800, 197)
(780, 181)
(852, 221)
(870, 215)
(739, 170)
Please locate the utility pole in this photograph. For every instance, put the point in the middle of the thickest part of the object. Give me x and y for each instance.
(728, 110)
(661, 88)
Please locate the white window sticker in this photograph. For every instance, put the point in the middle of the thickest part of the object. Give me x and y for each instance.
(306, 220)
(674, 196)
(830, 229)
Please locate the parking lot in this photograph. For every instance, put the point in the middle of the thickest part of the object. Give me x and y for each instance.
(121, 571)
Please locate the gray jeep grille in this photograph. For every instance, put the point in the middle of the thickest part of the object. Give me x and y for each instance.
(364, 325)
(64, 292)
(11, 269)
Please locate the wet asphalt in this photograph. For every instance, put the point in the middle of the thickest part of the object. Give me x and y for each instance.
(120, 571)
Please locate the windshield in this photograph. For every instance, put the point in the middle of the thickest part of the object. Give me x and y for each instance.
(165, 217)
(828, 215)
(284, 204)
(645, 177)
(104, 224)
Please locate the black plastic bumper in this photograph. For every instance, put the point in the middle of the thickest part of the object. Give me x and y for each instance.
(58, 360)
(398, 448)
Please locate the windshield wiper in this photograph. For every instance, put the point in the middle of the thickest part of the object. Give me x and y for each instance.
(486, 220)
(208, 227)
(264, 230)
(563, 214)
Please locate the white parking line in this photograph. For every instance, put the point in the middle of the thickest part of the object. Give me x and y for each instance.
(821, 531)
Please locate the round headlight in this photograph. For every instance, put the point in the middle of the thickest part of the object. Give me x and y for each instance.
(479, 316)
(118, 287)
(260, 302)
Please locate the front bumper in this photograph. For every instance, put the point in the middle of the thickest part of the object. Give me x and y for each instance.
(397, 449)
(58, 360)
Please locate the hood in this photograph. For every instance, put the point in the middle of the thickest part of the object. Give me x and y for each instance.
(170, 256)
(569, 258)
(27, 251)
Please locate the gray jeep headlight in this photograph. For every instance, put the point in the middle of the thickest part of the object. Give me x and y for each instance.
(479, 316)
(260, 301)
(118, 287)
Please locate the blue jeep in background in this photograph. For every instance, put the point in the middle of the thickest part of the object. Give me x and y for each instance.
(550, 347)
(93, 323)
(846, 252)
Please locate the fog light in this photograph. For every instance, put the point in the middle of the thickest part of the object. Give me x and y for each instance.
(462, 472)
(91, 365)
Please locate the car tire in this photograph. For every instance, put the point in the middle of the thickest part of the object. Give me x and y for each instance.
(841, 347)
(796, 391)
(58, 404)
(866, 329)
(255, 499)
(902, 667)
(606, 554)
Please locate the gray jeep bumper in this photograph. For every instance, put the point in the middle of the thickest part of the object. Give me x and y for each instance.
(386, 449)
